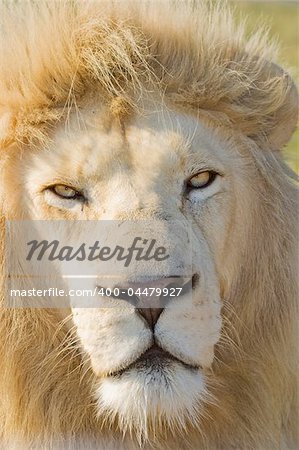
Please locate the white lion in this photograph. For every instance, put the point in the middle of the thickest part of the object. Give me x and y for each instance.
(143, 111)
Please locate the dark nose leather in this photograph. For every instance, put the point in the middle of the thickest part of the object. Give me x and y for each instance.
(151, 315)
(155, 303)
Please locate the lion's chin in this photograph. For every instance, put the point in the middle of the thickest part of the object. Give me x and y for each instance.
(151, 395)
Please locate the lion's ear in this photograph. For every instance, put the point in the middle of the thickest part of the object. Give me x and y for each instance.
(282, 121)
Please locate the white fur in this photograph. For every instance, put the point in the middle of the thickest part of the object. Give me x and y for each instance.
(115, 337)
(140, 399)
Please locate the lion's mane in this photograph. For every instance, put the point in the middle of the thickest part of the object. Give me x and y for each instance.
(53, 55)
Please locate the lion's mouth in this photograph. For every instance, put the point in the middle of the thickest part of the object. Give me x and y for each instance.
(155, 358)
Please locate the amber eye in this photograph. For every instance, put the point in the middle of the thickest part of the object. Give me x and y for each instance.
(66, 192)
(201, 180)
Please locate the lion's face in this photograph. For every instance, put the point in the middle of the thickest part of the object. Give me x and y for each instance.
(150, 367)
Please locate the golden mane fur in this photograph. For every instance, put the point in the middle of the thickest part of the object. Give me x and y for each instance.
(198, 57)
(53, 56)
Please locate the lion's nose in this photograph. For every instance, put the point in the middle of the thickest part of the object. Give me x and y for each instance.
(152, 295)
(151, 315)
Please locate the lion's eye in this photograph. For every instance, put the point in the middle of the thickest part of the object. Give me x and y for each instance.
(201, 180)
(64, 191)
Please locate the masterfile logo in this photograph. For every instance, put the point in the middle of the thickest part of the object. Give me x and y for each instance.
(84, 263)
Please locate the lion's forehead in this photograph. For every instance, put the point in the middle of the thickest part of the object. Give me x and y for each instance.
(163, 142)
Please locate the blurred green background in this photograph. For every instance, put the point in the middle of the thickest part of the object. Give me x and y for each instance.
(282, 18)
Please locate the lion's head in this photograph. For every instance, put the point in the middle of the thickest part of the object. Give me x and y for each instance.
(107, 115)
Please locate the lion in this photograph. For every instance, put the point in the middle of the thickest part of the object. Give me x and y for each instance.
(167, 111)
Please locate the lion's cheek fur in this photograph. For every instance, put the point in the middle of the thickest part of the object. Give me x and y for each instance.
(112, 339)
(190, 336)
